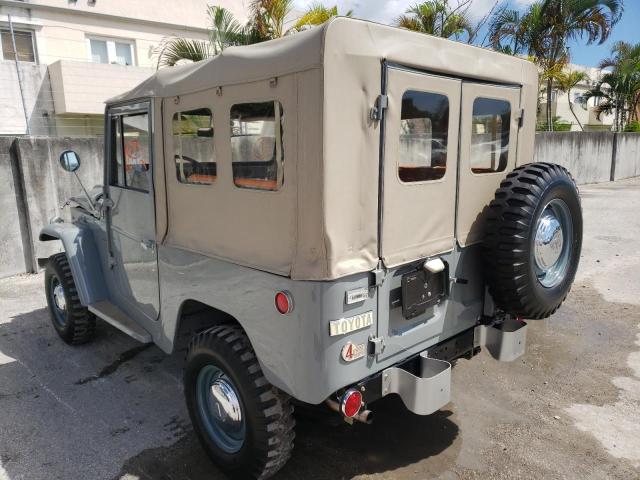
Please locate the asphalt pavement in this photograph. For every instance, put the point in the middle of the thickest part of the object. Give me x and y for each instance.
(568, 409)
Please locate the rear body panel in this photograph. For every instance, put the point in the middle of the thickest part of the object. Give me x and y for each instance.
(296, 351)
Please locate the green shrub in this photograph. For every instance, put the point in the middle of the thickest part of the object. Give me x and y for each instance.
(632, 126)
(558, 125)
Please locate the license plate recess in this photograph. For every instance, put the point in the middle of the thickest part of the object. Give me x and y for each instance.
(422, 289)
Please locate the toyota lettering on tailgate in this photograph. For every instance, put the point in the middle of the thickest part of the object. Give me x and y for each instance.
(350, 324)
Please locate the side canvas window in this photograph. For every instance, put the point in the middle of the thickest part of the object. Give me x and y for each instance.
(193, 147)
(491, 124)
(424, 131)
(130, 151)
(256, 145)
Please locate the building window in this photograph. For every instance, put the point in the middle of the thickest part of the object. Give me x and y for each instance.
(193, 147)
(111, 51)
(424, 131)
(24, 45)
(490, 131)
(256, 145)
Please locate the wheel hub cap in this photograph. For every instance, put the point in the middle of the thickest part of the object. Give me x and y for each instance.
(58, 298)
(220, 408)
(549, 241)
(552, 243)
(226, 405)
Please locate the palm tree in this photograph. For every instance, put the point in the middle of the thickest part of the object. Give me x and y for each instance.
(437, 17)
(317, 14)
(224, 31)
(268, 19)
(546, 28)
(619, 88)
(265, 23)
(567, 81)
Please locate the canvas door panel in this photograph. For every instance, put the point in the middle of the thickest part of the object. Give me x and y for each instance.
(418, 207)
(488, 147)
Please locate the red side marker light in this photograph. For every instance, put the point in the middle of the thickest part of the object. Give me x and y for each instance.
(351, 403)
(284, 302)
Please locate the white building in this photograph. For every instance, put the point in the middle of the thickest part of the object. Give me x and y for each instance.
(584, 109)
(74, 54)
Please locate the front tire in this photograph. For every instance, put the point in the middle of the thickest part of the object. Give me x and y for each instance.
(245, 424)
(533, 240)
(72, 321)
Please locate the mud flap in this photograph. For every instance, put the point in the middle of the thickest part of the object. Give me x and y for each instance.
(423, 394)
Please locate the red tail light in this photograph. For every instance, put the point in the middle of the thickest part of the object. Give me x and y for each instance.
(284, 302)
(351, 403)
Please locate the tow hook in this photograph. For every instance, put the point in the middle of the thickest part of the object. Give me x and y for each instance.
(350, 407)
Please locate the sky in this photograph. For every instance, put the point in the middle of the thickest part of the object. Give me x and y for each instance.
(385, 11)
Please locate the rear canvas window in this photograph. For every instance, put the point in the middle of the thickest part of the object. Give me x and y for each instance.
(193, 147)
(256, 145)
(490, 135)
(424, 129)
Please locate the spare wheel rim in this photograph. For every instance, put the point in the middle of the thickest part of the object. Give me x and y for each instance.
(553, 243)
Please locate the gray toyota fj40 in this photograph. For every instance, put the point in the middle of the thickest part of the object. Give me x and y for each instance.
(350, 209)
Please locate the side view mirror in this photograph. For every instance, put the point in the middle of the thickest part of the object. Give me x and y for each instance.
(69, 161)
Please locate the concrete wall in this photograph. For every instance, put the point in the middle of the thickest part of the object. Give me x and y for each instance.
(35, 186)
(627, 155)
(586, 156)
(12, 259)
(37, 93)
(592, 157)
(47, 186)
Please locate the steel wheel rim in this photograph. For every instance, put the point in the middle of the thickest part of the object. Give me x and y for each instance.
(220, 409)
(553, 243)
(58, 301)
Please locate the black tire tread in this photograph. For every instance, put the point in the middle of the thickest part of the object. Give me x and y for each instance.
(507, 235)
(275, 406)
(81, 323)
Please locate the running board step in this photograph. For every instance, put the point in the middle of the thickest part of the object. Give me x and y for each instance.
(111, 314)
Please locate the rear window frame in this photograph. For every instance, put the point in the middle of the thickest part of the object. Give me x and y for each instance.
(398, 163)
(217, 178)
(280, 164)
(511, 137)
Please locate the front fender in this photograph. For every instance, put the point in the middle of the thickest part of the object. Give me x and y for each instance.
(84, 259)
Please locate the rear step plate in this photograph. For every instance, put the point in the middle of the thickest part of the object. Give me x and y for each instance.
(423, 394)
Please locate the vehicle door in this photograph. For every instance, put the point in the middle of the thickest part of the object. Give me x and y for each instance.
(418, 195)
(489, 125)
(131, 221)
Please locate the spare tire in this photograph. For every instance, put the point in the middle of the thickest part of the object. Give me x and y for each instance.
(533, 239)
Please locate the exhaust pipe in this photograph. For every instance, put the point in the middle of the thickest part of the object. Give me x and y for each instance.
(363, 416)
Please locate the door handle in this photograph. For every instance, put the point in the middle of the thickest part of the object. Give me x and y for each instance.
(147, 244)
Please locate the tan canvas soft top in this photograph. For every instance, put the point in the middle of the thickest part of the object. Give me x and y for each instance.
(323, 223)
(291, 54)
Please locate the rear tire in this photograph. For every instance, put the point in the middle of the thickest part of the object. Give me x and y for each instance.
(72, 321)
(533, 240)
(250, 433)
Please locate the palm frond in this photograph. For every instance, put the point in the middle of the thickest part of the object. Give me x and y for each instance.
(174, 50)
(316, 14)
(225, 29)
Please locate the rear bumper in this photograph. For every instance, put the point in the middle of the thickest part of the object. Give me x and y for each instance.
(424, 380)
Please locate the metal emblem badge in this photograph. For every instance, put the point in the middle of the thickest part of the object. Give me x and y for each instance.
(350, 324)
(351, 351)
